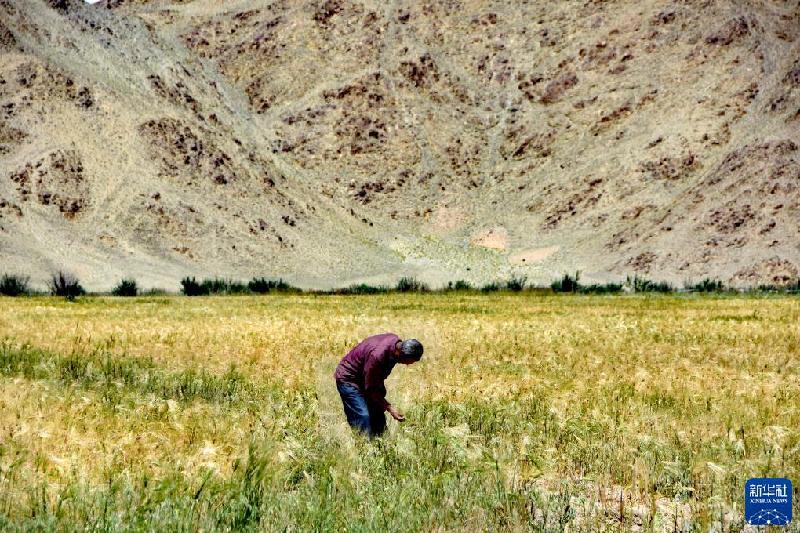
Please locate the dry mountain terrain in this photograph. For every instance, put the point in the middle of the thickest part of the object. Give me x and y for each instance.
(339, 141)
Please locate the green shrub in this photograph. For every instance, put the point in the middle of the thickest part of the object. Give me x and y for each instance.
(516, 283)
(598, 288)
(13, 285)
(215, 285)
(640, 284)
(706, 285)
(491, 287)
(567, 283)
(260, 285)
(222, 286)
(789, 288)
(410, 284)
(281, 285)
(66, 285)
(264, 285)
(362, 288)
(458, 285)
(126, 287)
(190, 287)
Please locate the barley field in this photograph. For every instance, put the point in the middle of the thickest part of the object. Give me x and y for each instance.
(527, 412)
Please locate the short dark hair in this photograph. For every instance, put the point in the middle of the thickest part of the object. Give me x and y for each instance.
(412, 349)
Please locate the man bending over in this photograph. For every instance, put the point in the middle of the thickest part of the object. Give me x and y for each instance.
(360, 375)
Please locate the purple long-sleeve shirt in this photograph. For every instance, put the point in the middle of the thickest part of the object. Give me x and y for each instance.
(367, 366)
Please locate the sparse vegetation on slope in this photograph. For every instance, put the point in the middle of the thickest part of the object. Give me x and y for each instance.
(487, 139)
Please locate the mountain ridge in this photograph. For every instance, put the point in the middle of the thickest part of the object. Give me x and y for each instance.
(343, 141)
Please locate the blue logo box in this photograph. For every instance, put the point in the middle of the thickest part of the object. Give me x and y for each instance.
(768, 501)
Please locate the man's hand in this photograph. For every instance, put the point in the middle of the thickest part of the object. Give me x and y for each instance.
(397, 415)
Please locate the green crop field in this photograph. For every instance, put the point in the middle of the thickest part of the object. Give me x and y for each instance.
(527, 412)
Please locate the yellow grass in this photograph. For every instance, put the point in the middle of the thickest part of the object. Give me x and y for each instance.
(600, 412)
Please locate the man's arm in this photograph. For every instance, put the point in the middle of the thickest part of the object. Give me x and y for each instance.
(374, 389)
(376, 395)
(375, 373)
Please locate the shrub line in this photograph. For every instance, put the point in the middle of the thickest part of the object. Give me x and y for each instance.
(66, 285)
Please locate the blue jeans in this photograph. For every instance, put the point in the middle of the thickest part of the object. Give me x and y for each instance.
(360, 415)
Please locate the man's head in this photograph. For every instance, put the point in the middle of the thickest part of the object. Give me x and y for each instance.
(408, 351)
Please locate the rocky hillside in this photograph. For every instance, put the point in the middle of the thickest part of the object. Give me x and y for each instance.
(339, 141)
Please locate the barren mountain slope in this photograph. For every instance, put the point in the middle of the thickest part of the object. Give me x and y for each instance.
(338, 141)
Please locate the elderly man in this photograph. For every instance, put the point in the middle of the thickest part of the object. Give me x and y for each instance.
(360, 375)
